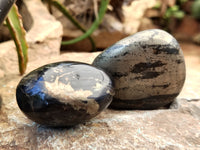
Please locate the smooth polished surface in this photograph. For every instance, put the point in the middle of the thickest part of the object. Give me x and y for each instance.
(64, 93)
(148, 70)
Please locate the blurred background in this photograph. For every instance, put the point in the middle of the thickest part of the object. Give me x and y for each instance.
(181, 18)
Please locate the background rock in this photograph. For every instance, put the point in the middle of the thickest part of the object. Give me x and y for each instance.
(164, 129)
(187, 29)
(43, 38)
(112, 28)
(138, 8)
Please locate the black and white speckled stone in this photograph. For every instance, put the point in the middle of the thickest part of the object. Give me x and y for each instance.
(148, 69)
(64, 93)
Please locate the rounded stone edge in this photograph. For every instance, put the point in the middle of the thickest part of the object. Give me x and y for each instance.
(53, 125)
(146, 103)
(143, 104)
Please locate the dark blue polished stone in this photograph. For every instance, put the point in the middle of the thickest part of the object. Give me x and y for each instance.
(64, 93)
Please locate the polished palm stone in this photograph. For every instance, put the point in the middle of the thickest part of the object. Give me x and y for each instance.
(64, 93)
(148, 70)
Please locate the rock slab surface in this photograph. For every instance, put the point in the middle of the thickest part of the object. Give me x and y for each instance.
(177, 128)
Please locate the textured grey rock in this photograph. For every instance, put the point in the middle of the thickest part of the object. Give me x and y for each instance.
(148, 69)
(191, 106)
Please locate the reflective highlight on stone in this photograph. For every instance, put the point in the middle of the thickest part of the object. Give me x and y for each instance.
(148, 69)
(64, 93)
